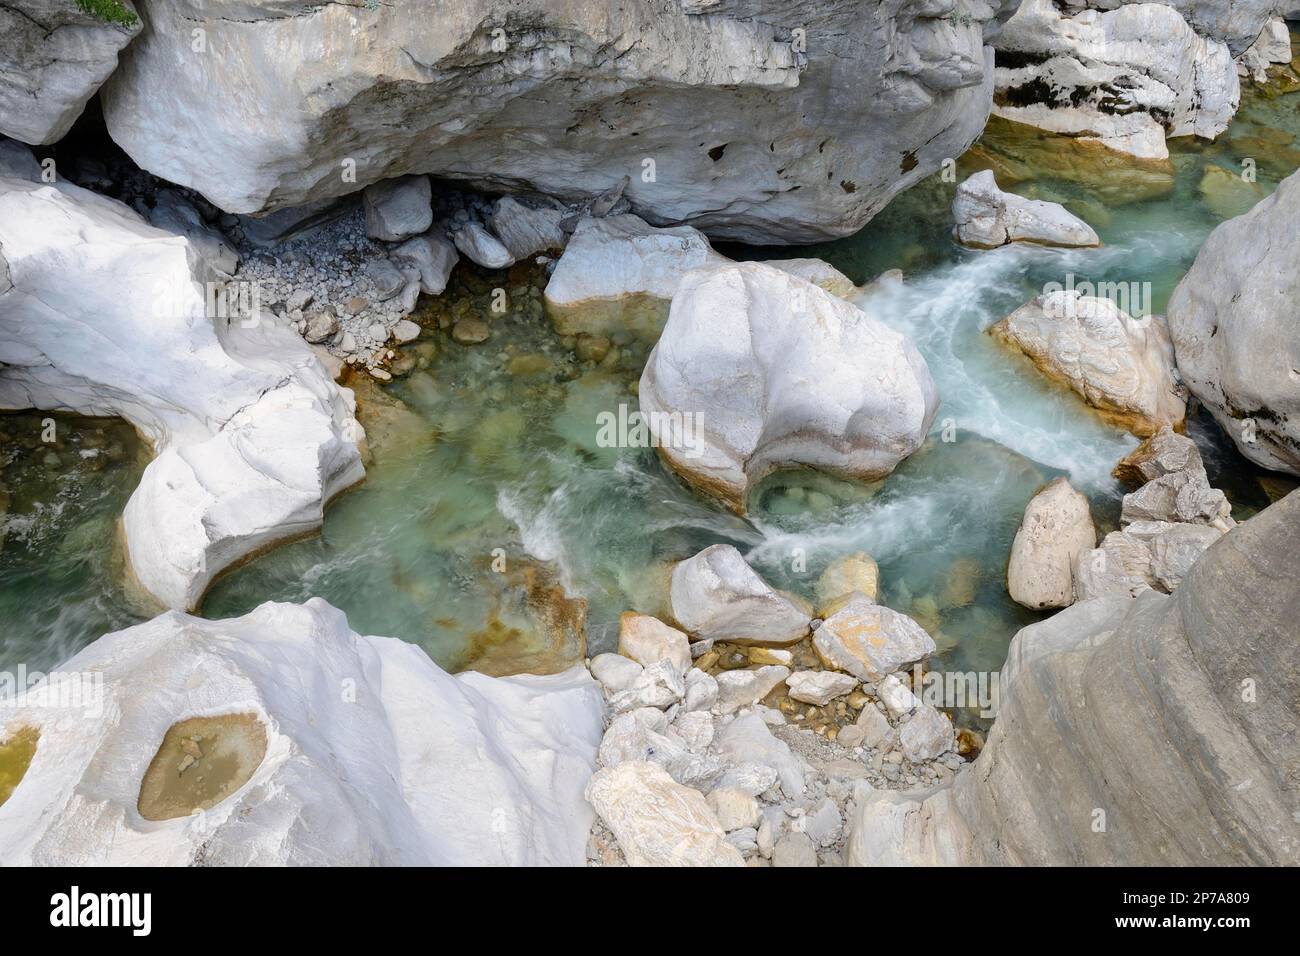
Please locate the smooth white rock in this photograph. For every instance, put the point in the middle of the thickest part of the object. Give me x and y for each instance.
(480, 246)
(986, 217)
(374, 756)
(614, 672)
(1057, 527)
(716, 594)
(618, 256)
(758, 370)
(107, 316)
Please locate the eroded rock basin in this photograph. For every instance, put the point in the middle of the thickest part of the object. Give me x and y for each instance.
(201, 761)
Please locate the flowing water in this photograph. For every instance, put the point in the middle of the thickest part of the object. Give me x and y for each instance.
(63, 484)
(491, 511)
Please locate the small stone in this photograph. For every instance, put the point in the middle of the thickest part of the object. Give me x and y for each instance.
(927, 735)
(470, 331)
(734, 808)
(770, 655)
(874, 727)
(701, 690)
(856, 572)
(794, 849)
(405, 331)
(386, 277)
(819, 687)
(614, 672)
(646, 640)
(741, 688)
(320, 326)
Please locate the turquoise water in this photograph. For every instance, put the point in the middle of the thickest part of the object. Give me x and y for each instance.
(63, 484)
(490, 513)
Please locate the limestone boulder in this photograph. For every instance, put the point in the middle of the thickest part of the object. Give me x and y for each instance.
(1232, 321)
(758, 370)
(657, 821)
(1121, 365)
(1056, 529)
(108, 315)
(870, 641)
(1125, 78)
(708, 115)
(717, 595)
(986, 217)
(54, 58)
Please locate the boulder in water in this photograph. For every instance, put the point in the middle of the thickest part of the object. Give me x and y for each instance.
(987, 217)
(758, 370)
(1120, 365)
(1232, 320)
(1056, 529)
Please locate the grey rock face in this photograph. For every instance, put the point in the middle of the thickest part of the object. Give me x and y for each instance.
(1125, 735)
(175, 214)
(564, 100)
(53, 58)
(1234, 329)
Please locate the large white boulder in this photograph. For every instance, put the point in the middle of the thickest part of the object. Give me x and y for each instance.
(1057, 528)
(362, 752)
(1125, 78)
(759, 370)
(708, 114)
(716, 595)
(986, 217)
(1233, 323)
(1121, 365)
(108, 315)
(53, 58)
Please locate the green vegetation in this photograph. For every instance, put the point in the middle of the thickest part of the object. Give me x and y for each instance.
(111, 11)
